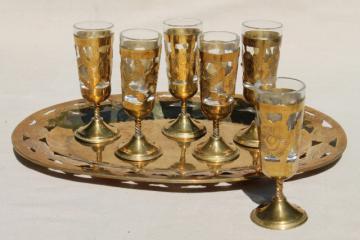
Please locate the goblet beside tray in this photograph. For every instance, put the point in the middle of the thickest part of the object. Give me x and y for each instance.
(46, 138)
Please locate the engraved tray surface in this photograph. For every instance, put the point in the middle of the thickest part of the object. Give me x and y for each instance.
(46, 139)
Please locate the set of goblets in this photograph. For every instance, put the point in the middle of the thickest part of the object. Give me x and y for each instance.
(211, 57)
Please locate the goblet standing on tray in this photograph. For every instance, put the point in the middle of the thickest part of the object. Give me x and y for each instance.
(261, 41)
(280, 111)
(93, 45)
(219, 56)
(180, 37)
(140, 58)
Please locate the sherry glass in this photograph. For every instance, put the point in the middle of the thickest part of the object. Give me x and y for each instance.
(280, 110)
(140, 58)
(180, 38)
(219, 56)
(261, 41)
(93, 45)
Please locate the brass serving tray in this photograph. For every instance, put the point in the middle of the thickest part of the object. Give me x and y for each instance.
(46, 138)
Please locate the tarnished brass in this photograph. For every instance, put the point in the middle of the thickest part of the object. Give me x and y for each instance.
(46, 138)
(182, 71)
(140, 59)
(218, 70)
(94, 60)
(260, 59)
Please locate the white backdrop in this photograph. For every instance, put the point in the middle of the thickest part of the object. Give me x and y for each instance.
(38, 69)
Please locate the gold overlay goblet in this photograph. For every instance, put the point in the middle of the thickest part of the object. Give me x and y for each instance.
(180, 37)
(280, 112)
(140, 58)
(260, 58)
(219, 56)
(93, 45)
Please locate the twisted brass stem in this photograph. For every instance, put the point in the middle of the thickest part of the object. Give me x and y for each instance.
(97, 115)
(183, 107)
(138, 127)
(216, 129)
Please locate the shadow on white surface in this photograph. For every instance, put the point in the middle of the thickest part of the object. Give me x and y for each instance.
(258, 189)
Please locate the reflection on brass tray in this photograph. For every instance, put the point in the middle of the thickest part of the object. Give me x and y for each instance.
(46, 138)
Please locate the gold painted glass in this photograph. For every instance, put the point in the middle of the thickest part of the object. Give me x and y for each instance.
(280, 110)
(93, 45)
(219, 56)
(140, 58)
(261, 41)
(180, 38)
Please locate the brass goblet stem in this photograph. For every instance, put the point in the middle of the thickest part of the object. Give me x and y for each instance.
(216, 128)
(138, 127)
(183, 107)
(279, 194)
(97, 115)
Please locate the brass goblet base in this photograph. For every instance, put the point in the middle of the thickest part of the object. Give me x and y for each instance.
(249, 138)
(97, 131)
(215, 150)
(279, 215)
(184, 128)
(138, 149)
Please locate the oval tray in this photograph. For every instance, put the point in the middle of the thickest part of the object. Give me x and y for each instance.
(46, 138)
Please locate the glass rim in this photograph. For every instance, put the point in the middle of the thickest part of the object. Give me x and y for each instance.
(246, 24)
(140, 29)
(302, 87)
(108, 26)
(237, 37)
(196, 22)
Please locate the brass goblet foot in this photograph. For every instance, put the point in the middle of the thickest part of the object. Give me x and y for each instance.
(249, 138)
(138, 149)
(97, 131)
(215, 150)
(184, 128)
(279, 214)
